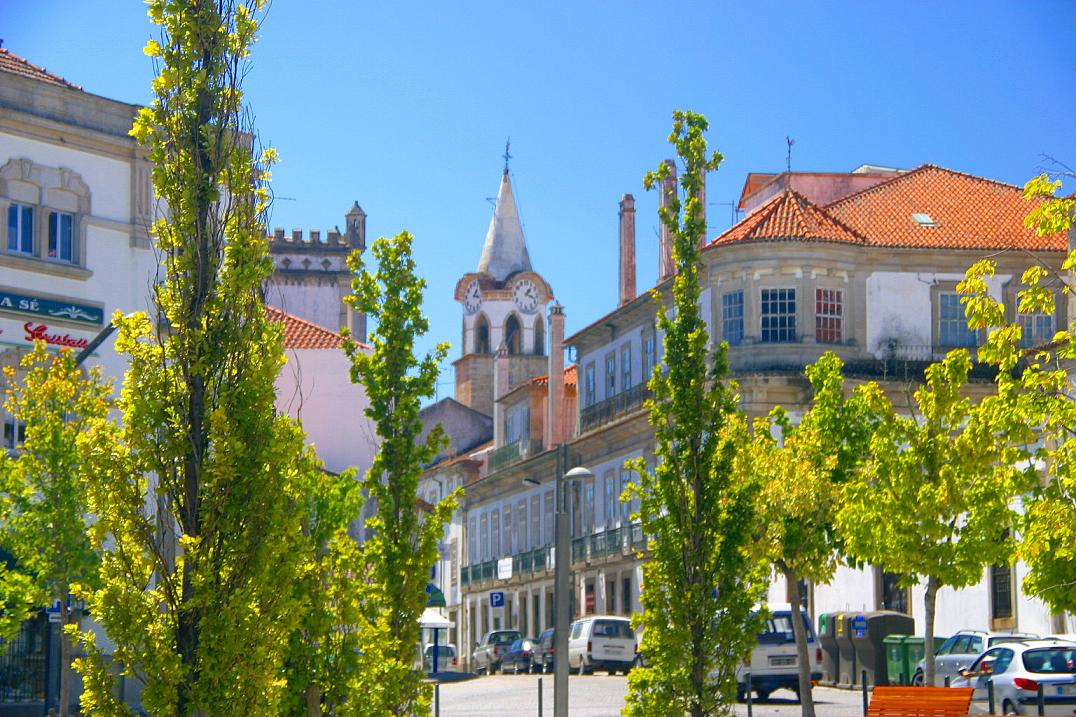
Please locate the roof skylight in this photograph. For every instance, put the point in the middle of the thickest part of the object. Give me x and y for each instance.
(924, 220)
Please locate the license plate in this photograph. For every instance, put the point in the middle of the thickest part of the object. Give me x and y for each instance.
(782, 660)
(614, 648)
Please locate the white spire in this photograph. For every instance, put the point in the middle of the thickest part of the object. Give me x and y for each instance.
(505, 250)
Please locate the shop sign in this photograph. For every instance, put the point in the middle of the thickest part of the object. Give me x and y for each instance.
(34, 331)
(38, 306)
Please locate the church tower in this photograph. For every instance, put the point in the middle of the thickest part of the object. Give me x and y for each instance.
(504, 303)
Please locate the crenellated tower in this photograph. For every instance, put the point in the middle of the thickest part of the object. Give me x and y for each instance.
(310, 275)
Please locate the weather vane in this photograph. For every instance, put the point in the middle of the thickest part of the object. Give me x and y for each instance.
(788, 159)
(506, 155)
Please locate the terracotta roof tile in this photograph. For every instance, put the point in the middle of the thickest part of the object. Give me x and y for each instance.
(10, 62)
(789, 216)
(570, 377)
(967, 212)
(302, 334)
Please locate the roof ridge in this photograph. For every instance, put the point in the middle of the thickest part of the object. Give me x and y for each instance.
(810, 217)
(51, 75)
(921, 169)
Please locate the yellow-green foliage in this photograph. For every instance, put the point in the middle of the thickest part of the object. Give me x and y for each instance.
(697, 506)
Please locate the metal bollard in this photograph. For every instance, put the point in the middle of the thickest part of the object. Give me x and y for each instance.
(539, 697)
(900, 680)
(947, 680)
(748, 694)
(1039, 699)
(990, 693)
(436, 699)
(866, 697)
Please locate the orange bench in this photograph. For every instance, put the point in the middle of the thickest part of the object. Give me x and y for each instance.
(920, 702)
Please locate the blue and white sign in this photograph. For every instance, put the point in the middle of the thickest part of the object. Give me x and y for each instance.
(859, 626)
(47, 309)
(496, 599)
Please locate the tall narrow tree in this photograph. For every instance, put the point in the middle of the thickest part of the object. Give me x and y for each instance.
(197, 511)
(696, 505)
(404, 545)
(43, 506)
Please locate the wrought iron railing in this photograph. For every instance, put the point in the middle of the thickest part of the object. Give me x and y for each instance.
(613, 407)
(513, 452)
(23, 661)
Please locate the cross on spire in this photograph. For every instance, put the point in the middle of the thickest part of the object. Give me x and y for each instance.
(506, 155)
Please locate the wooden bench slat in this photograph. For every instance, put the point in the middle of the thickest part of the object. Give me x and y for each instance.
(920, 702)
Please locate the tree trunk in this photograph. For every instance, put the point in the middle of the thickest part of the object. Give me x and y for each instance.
(928, 647)
(313, 701)
(803, 659)
(65, 661)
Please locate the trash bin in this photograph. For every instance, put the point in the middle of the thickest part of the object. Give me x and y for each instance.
(913, 645)
(869, 631)
(827, 639)
(896, 660)
(846, 651)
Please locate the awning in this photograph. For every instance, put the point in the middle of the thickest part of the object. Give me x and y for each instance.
(430, 618)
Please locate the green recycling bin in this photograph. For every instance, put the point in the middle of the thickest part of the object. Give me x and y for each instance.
(896, 659)
(913, 645)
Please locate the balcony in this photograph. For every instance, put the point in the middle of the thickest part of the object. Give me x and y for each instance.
(513, 453)
(607, 544)
(611, 408)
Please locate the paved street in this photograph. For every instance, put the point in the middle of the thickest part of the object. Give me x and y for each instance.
(603, 696)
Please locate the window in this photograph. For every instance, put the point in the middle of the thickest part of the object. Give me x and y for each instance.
(483, 539)
(625, 506)
(495, 533)
(60, 241)
(625, 595)
(610, 498)
(20, 228)
(513, 335)
(588, 385)
(648, 356)
(548, 510)
(952, 323)
(610, 375)
(778, 315)
(732, 318)
(481, 336)
(1035, 329)
(588, 507)
(1001, 597)
(14, 432)
(828, 310)
(894, 597)
(625, 367)
(506, 526)
(536, 521)
(522, 544)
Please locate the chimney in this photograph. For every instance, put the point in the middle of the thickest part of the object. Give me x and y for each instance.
(668, 193)
(296, 234)
(500, 387)
(554, 420)
(627, 249)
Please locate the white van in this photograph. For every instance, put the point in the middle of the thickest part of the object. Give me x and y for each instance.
(773, 660)
(601, 642)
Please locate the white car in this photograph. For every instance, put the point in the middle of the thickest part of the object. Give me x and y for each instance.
(774, 663)
(447, 660)
(1018, 670)
(958, 651)
(601, 642)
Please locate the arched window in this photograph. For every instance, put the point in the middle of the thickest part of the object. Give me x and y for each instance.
(539, 336)
(513, 335)
(481, 335)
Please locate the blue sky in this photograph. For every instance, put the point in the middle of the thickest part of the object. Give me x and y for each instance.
(405, 107)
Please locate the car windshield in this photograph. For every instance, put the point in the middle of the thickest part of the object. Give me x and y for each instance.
(505, 638)
(1006, 638)
(1051, 660)
(777, 629)
(613, 628)
(442, 650)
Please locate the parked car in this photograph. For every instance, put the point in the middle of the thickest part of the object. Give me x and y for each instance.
(486, 657)
(774, 663)
(601, 642)
(1018, 670)
(960, 650)
(447, 660)
(543, 651)
(519, 657)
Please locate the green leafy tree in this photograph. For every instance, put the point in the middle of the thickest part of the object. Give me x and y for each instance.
(404, 542)
(199, 509)
(802, 478)
(43, 507)
(1034, 389)
(933, 498)
(696, 505)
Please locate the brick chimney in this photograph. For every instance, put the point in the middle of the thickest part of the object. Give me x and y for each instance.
(627, 249)
(555, 418)
(500, 387)
(668, 192)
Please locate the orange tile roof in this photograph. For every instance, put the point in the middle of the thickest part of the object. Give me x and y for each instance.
(302, 334)
(969, 213)
(10, 62)
(789, 216)
(570, 377)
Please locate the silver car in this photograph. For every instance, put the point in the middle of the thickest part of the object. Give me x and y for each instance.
(1018, 670)
(959, 650)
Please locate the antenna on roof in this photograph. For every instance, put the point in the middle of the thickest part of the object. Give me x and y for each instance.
(788, 158)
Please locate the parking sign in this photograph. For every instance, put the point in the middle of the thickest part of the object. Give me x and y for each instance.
(496, 599)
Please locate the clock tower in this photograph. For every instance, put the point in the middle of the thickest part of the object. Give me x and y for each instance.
(504, 303)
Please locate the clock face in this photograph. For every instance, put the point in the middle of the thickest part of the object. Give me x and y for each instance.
(525, 294)
(472, 299)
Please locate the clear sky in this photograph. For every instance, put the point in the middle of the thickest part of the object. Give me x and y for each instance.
(405, 107)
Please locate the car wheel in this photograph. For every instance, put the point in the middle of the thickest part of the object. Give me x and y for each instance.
(763, 695)
(1008, 708)
(741, 696)
(918, 679)
(582, 671)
